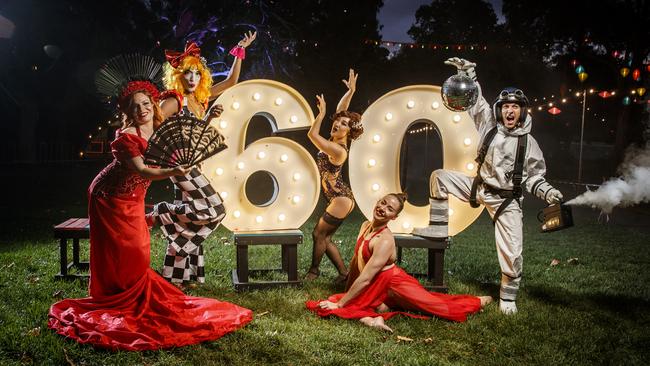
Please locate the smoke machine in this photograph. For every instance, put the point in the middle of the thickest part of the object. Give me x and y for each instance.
(555, 217)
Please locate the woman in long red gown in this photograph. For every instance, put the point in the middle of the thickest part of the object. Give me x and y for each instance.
(130, 306)
(382, 285)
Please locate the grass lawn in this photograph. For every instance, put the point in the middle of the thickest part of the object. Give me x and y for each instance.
(592, 312)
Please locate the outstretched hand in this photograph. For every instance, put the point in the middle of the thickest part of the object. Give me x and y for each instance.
(249, 37)
(351, 83)
(322, 107)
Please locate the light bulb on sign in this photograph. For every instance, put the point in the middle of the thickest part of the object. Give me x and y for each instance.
(259, 219)
(456, 118)
(219, 171)
(372, 162)
(406, 225)
(470, 166)
(389, 116)
(257, 96)
(261, 155)
(284, 158)
(451, 212)
(295, 199)
(236, 214)
(376, 138)
(278, 101)
(435, 105)
(410, 104)
(293, 119)
(224, 195)
(282, 217)
(296, 176)
(223, 124)
(467, 141)
(235, 105)
(241, 165)
(375, 187)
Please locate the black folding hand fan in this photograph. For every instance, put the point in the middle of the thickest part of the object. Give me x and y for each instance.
(183, 140)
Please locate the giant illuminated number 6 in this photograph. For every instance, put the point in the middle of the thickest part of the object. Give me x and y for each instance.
(294, 171)
(374, 158)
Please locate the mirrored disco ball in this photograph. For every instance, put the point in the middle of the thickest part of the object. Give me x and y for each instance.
(459, 93)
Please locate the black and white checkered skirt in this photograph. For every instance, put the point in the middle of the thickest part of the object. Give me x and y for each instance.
(196, 212)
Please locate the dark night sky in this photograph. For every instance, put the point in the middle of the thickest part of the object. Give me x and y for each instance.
(397, 16)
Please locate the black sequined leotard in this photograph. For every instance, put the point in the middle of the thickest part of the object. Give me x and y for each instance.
(331, 179)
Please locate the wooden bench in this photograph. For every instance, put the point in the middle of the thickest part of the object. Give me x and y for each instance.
(75, 229)
(435, 258)
(287, 239)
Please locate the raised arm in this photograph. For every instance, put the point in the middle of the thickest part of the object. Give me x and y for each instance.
(233, 75)
(336, 153)
(351, 83)
(481, 112)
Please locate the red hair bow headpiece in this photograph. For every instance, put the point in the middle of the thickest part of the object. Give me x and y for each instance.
(136, 86)
(174, 58)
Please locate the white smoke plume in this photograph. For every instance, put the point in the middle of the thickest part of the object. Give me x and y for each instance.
(630, 188)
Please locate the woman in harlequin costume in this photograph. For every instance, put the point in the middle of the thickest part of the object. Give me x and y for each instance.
(346, 126)
(382, 286)
(130, 306)
(190, 89)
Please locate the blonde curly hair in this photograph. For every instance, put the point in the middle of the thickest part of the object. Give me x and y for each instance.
(173, 77)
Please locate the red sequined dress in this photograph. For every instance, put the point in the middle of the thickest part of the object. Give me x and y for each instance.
(130, 306)
(397, 289)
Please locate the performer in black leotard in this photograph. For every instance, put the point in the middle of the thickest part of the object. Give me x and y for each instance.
(346, 127)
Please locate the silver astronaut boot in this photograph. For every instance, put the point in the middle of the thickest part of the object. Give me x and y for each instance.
(438, 220)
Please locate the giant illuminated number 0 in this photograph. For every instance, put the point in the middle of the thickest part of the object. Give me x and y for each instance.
(374, 158)
(294, 171)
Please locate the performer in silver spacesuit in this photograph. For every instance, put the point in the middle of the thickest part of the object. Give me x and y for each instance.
(509, 161)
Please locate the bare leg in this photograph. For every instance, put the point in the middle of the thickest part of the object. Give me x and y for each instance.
(376, 322)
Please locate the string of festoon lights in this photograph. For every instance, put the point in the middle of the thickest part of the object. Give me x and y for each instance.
(431, 46)
(553, 103)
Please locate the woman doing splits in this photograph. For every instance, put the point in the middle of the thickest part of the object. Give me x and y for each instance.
(382, 285)
(333, 153)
